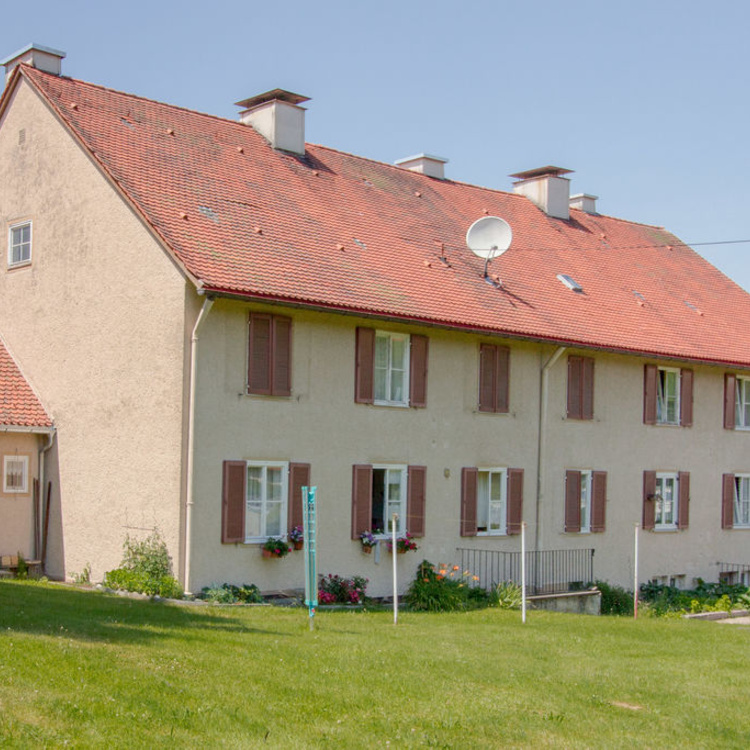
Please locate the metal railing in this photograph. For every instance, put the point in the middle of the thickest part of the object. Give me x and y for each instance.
(547, 571)
(735, 572)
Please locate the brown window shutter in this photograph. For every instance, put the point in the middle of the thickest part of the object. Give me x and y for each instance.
(730, 388)
(515, 500)
(299, 477)
(650, 375)
(259, 356)
(281, 357)
(361, 499)
(587, 388)
(418, 371)
(574, 387)
(598, 501)
(415, 500)
(727, 501)
(487, 377)
(649, 504)
(502, 403)
(686, 398)
(469, 476)
(233, 496)
(572, 501)
(364, 376)
(683, 509)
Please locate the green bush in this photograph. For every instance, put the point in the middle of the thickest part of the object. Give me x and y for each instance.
(146, 568)
(664, 600)
(228, 593)
(615, 599)
(444, 590)
(507, 595)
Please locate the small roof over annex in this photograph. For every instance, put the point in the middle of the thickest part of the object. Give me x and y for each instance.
(20, 408)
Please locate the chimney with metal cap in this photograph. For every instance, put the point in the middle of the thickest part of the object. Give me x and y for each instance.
(277, 116)
(585, 202)
(43, 58)
(547, 189)
(432, 166)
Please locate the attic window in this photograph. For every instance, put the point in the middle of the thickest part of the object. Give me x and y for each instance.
(570, 282)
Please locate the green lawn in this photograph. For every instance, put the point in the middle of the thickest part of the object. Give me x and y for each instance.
(84, 669)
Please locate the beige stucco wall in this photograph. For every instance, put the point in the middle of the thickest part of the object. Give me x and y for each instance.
(322, 425)
(97, 325)
(16, 508)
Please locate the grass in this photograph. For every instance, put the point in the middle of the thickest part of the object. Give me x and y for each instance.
(83, 669)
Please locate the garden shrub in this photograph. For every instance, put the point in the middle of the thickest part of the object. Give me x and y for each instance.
(333, 589)
(615, 599)
(146, 568)
(664, 600)
(507, 595)
(445, 589)
(228, 593)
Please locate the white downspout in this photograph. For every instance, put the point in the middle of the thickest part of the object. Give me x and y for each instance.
(543, 398)
(41, 454)
(189, 490)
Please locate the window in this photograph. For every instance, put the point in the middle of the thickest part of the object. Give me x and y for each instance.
(261, 499)
(492, 514)
(580, 387)
(742, 404)
(391, 368)
(494, 378)
(666, 497)
(667, 396)
(381, 490)
(16, 474)
(736, 501)
(491, 501)
(269, 370)
(19, 244)
(585, 501)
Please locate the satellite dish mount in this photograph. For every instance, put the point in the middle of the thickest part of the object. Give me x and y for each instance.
(488, 238)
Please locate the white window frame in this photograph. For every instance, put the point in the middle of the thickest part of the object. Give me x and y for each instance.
(485, 504)
(585, 500)
(400, 508)
(659, 514)
(741, 501)
(24, 488)
(11, 244)
(663, 397)
(387, 398)
(741, 403)
(283, 466)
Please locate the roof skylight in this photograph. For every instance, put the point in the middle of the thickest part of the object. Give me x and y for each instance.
(570, 282)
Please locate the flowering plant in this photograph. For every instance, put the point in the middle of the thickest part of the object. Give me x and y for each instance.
(296, 534)
(277, 547)
(368, 539)
(333, 589)
(404, 543)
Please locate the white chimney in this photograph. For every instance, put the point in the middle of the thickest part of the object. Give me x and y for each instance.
(43, 58)
(432, 166)
(547, 189)
(585, 202)
(278, 118)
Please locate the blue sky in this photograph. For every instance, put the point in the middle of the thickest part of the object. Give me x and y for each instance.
(647, 101)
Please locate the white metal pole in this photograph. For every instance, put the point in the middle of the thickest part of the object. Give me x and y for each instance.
(635, 575)
(394, 551)
(523, 572)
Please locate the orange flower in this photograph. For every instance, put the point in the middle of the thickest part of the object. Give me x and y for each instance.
(475, 578)
(455, 567)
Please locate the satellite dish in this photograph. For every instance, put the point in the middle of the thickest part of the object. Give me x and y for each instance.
(489, 237)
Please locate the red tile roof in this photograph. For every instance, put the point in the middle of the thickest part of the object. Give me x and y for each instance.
(19, 405)
(336, 231)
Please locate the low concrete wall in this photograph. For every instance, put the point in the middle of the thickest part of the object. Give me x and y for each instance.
(578, 602)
